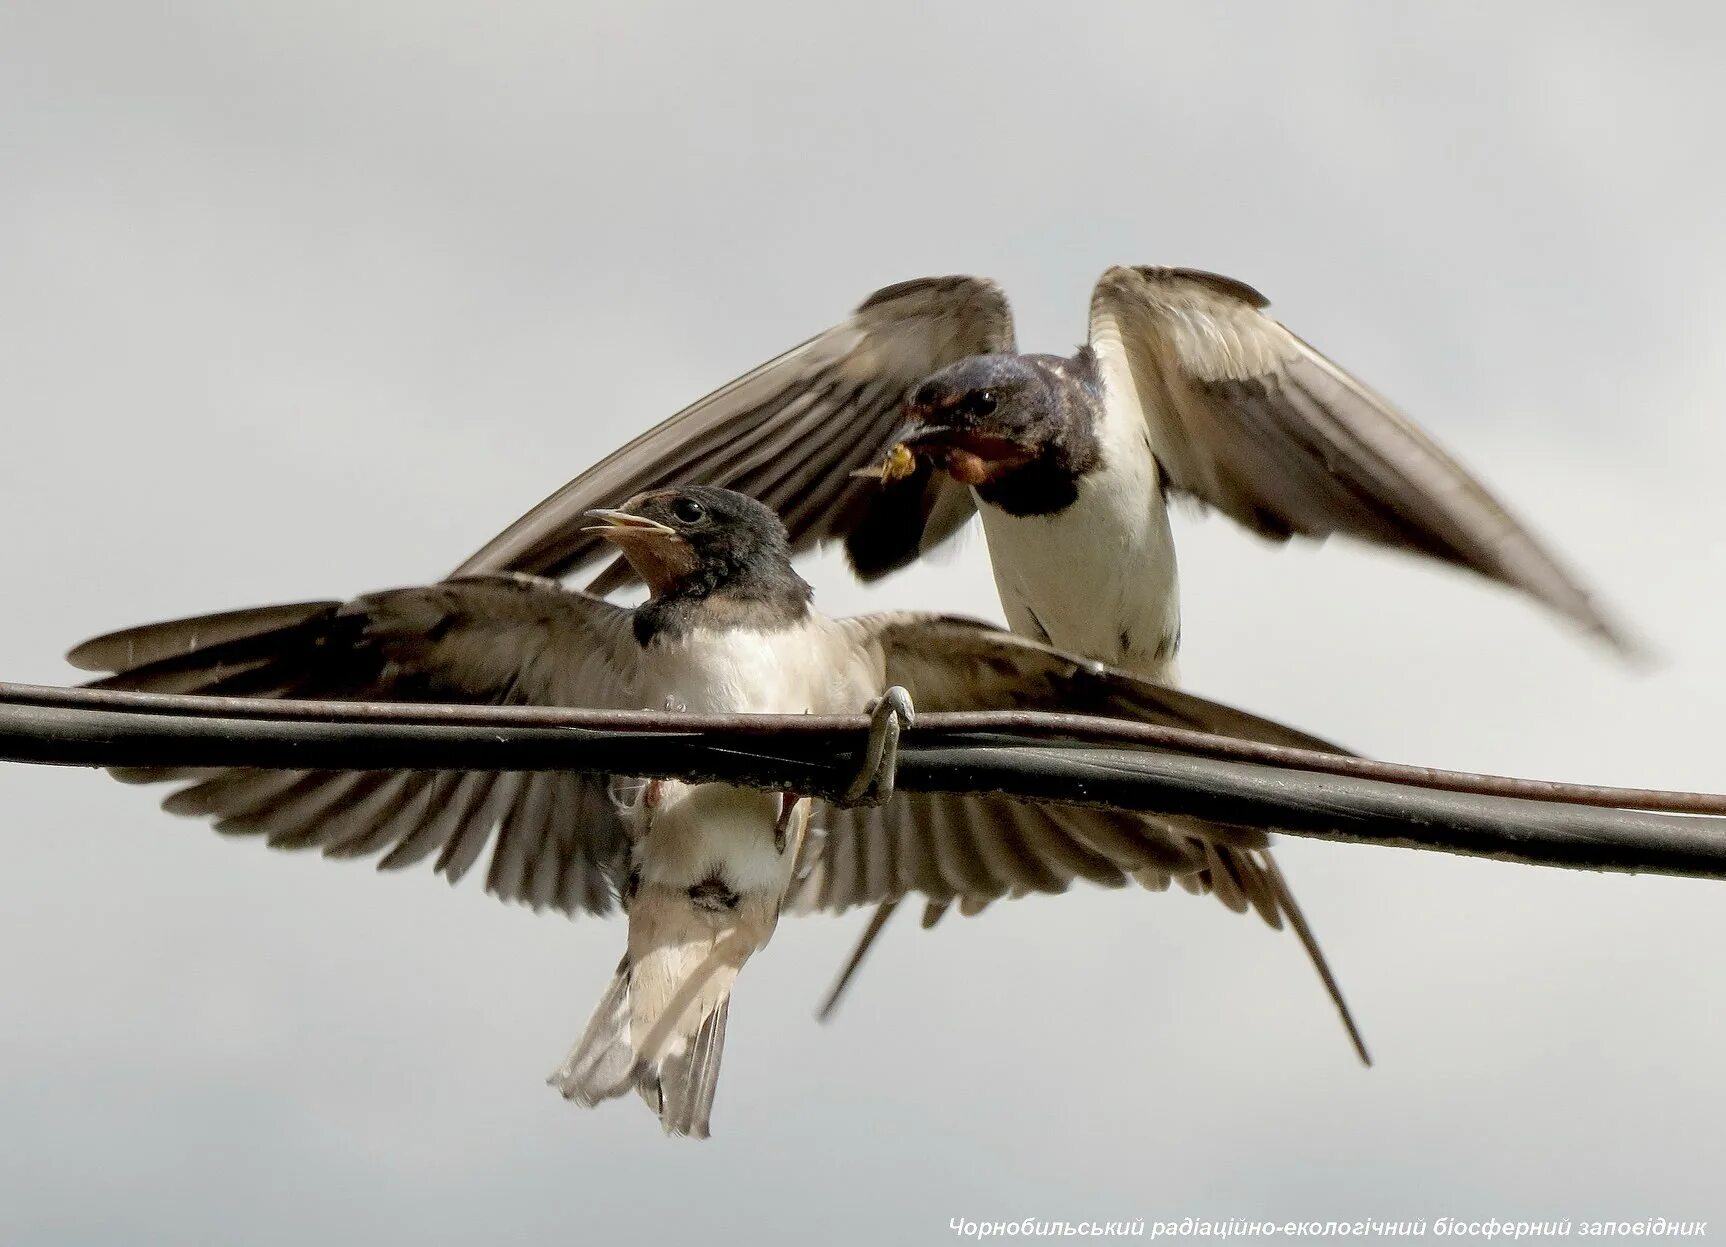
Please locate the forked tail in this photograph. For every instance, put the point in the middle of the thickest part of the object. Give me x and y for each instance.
(660, 1027)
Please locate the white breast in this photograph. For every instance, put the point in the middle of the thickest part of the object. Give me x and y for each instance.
(814, 668)
(1099, 577)
(699, 830)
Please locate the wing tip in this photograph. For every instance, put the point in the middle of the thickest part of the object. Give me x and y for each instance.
(1163, 275)
(1631, 648)
(951, 283)
(143, 644)
(1565, 596)
(88, 656)
(1315, 955)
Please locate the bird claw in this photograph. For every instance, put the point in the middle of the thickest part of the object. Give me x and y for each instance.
(889, 714)
(782, 825)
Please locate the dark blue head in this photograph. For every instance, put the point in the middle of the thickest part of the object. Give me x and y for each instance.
(987, 415)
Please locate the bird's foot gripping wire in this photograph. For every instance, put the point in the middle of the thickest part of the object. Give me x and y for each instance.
(888, 716)
(782, 825)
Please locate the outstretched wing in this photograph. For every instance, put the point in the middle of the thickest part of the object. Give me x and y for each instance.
(971, 850)
(1246, 417)
(790, 434)
(494, 640)
(977, 848)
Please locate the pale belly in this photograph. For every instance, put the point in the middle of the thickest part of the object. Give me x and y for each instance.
(694, 832)
(807, 671)
(1099, 578)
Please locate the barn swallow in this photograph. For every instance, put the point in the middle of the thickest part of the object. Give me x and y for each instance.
(703, 871)
(891, 429)
(1185, 387)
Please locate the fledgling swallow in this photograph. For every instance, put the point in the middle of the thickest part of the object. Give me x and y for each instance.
(703, 871)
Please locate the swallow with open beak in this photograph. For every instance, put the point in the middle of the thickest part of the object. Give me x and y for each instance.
(891, 429)
(703, 871)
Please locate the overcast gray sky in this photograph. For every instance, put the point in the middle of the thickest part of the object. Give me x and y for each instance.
(305, 299)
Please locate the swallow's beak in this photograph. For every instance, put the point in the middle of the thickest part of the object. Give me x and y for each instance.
(914, 440)
(920, 438)
(658, 553)
(620, 525)
(968, 456)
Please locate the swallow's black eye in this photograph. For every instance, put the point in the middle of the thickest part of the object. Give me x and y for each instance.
(983, 402)
(688, 511)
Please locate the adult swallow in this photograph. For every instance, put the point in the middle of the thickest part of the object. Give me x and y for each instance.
(702, 871)
(1185, 388)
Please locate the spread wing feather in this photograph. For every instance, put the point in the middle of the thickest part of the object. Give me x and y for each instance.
(971, 851)
(790, 433)
(980, 847)
(1251, 420)
(557, 839)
